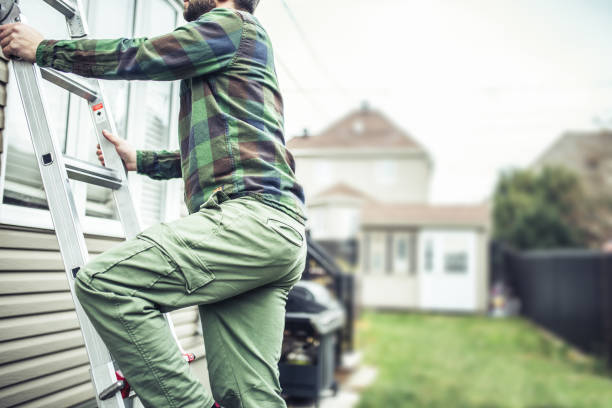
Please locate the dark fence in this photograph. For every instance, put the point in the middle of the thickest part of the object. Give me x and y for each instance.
(569, 292)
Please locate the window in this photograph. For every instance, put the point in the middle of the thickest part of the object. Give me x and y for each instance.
(323, 171)
(106, 22)
(455, 262)
(377, 252)
(22, 183)
(358, 126)
(155, 112)
(385, 172)
(456, 254)
(429, 256)
(146, 125)
(401, 261)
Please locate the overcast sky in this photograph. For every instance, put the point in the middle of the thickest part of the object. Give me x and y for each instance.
(483, 84)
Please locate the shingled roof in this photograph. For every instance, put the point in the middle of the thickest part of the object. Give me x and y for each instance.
(426, 214)
(364, 128)
(344, 190)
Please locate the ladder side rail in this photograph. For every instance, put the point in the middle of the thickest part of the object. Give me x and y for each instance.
(77, 26)
(65, 219)
(103, 119)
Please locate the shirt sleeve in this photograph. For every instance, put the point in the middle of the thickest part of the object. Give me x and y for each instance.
(159, 165)
(198, 48)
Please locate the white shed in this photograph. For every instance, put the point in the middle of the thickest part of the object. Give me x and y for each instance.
(427, 257)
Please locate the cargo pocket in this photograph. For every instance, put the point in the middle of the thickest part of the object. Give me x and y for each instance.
(193, 268)
(196, 278)
(107, 260)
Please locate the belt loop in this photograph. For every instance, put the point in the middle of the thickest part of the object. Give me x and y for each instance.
(220, 195)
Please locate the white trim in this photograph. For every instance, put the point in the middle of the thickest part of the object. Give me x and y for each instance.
(37, 218)
(3, 165)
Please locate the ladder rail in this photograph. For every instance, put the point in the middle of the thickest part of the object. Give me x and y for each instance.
(65, 220)
(55, 171)
(77, 26)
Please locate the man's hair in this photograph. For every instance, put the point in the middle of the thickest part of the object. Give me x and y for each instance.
(246, 5)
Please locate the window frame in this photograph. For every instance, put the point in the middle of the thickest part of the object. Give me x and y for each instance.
(23, 216)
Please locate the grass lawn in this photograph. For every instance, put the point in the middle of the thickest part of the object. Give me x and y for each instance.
(467, 361)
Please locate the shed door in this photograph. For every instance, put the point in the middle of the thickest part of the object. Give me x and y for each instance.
(447, 270)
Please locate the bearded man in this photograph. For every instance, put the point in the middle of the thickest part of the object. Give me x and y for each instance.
(241, 249)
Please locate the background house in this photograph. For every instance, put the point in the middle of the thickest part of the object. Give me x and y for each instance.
(42, 357)
(360, 158)
(589, 156)
(367, 185)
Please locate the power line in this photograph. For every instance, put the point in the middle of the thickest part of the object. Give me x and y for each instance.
(300, 88)
(312, 52)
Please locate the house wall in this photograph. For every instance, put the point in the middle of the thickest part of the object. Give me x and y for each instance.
(587, 154)
(43, 362)
(397, 177)
(390, 292)
(334, 221)
(388, 280)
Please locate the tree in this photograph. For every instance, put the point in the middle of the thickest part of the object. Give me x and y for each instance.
(539, 210)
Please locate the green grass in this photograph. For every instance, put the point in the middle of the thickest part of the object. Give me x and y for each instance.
(466, 361)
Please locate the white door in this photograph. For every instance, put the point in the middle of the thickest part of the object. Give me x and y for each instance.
(447, 270)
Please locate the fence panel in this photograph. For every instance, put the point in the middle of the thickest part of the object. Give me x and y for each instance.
(566, 291)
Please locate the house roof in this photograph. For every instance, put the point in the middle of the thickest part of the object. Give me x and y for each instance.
(588, 154)
(343, 190)
(588, 146)
(364, 128)
(477, 215)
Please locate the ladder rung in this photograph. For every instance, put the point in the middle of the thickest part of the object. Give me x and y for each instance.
(65, 7)
(91, 173)
(69, 84)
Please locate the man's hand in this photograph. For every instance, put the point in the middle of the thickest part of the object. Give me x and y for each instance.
(124, 149)
(20, 41)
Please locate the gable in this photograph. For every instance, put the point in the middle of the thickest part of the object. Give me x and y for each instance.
(364, 128)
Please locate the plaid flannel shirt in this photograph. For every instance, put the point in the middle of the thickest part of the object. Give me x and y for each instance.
(231, 128)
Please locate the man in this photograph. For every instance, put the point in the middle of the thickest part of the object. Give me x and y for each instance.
(242, 247)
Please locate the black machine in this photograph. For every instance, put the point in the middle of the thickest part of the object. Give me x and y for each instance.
(318, 327)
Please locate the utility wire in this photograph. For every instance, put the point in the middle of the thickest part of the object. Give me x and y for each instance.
(300, 88)
(312, 52)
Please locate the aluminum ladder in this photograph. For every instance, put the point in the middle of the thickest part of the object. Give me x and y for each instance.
(56, 170)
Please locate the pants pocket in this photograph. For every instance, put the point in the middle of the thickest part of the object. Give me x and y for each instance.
(286, 231)
(193, 268)
(107, 260)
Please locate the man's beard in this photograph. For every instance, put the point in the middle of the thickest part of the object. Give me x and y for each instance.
(196, 8)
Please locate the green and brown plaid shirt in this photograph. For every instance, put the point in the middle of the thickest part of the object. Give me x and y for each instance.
(231, 111)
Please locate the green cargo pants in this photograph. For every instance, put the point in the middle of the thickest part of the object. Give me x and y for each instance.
(237, 259)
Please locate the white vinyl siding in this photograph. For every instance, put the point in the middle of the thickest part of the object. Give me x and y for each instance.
(41, 348)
